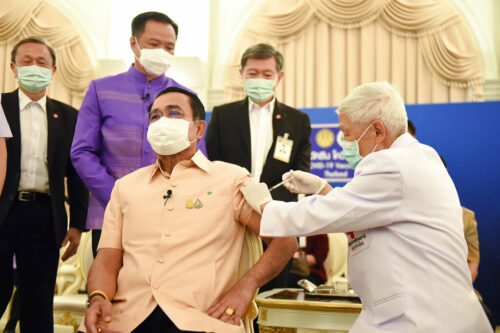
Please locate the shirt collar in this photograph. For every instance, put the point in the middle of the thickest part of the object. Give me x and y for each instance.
(24, 100)
(403, 140)
(198, 159)
(201, 161)
(254, 106)
(137, 76)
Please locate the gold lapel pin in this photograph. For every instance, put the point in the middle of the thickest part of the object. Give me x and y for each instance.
(198, 204)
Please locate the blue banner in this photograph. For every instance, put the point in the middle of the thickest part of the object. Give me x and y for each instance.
(327, 158)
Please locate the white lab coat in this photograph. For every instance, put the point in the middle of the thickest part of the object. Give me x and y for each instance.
(407, 252)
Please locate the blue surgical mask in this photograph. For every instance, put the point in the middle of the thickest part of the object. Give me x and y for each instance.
(351, 149)
(34, 78)
(259, 90)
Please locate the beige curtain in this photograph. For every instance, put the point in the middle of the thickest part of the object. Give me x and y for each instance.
(23, 18)
(422, 47)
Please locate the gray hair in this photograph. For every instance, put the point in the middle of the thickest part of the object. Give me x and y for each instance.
(37, 40)
(262, 51)
(376, 101)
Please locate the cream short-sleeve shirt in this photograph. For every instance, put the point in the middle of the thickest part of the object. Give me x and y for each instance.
(181, 253)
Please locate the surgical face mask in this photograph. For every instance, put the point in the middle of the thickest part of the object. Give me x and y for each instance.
(155, 61)
(351, 149)
(34, 78)
(259, 90)
(169, 136)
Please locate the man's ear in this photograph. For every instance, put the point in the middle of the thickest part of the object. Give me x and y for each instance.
(133, 46)
(380, 132)
(14, 69)
(280, 76)
(201, 128)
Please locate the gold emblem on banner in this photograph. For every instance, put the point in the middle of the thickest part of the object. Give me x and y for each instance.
(325, 138)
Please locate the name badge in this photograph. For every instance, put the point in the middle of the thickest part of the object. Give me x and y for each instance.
(283, 149)
(358, 241)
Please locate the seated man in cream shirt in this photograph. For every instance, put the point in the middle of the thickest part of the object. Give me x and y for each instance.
(172, 237)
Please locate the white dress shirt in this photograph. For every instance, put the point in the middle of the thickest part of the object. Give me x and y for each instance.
(34, 164)
(407, 256)
(261, 134)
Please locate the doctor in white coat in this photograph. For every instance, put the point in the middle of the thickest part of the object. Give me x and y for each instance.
(407, 256)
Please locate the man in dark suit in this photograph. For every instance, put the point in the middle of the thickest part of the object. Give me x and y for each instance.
(259, 133)
(33, 221)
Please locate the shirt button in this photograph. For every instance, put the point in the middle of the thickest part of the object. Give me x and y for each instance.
(156, 285)
(174, 184)
(161, 260)
(166, 234)
(170, 207)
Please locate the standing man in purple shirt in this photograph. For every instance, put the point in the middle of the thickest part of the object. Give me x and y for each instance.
(110, 137)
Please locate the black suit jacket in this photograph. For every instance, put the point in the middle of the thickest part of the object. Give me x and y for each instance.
(228, 140)
(61, 121)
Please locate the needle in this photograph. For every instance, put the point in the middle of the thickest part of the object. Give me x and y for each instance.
(279, 184)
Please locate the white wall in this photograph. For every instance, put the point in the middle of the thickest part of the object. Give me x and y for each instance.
(106, 24)
(92, 18)
(226, 19)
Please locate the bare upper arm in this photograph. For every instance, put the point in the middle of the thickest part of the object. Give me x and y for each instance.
(112, 258)
(254, 225)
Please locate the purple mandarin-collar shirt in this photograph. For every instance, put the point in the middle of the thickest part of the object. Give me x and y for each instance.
(111, 134)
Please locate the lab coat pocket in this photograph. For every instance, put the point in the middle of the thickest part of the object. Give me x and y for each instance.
(389, 308)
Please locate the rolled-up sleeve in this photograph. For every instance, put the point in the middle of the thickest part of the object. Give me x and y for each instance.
(242, 210)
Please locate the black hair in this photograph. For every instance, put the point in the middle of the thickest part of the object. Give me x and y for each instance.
(195, 102)
(411, 128)
(139, 22)
(444, 161)
(33, 39)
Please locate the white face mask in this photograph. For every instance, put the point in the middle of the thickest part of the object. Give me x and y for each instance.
(155, 61)
(169, 136)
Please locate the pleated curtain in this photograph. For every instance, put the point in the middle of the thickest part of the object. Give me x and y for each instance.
(22, 18)
(422, 47)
